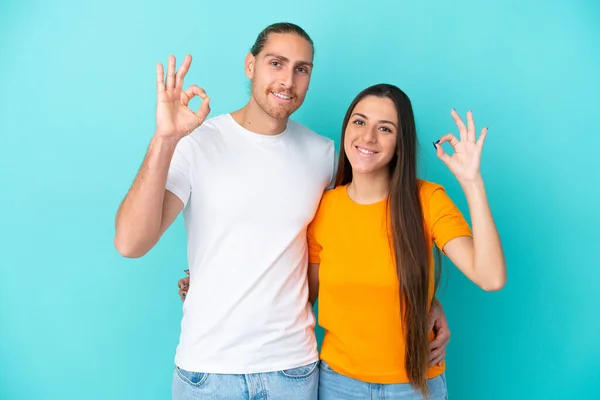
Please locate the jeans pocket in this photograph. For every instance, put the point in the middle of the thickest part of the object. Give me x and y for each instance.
(325, 367)
(193, 378)
(300, 372)
(437, 387)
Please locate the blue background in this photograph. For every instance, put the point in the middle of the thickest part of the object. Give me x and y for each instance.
(77, 113)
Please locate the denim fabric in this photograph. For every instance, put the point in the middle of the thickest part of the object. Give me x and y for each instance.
(300, 383)
(334, 386)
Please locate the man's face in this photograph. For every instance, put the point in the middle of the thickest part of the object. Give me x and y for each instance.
(280, 74)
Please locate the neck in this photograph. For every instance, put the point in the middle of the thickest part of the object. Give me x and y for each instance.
(253, 118)
(369, 188)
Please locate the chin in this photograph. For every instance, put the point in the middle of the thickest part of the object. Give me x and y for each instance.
(280, 112)
(363, 171)
(359, 168)
(283, 114)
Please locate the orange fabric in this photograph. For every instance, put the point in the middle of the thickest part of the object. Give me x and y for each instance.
(359, 305)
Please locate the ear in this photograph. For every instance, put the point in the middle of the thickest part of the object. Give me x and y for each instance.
(249, 65)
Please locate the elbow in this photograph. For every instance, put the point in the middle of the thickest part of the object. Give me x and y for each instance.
(493, 287)
(128, 248)
(495, 284)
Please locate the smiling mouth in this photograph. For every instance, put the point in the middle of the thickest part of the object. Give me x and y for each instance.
(281, 96)
(365, 152)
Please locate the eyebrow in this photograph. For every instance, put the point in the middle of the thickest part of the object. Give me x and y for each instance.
(285, 59)
(385, 121)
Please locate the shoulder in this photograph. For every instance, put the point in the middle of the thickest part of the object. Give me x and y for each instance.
(327, 207)
(204, 133)
(333, 196)
(435, 200)
(432, 196)
(427, 188)
(308, 135)
(216, 123)
(330, 194)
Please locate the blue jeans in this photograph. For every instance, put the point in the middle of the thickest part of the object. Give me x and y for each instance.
(333, 386)
(300, 383)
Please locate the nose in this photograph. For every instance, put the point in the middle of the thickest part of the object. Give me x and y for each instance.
(369, 135)
(287, 79)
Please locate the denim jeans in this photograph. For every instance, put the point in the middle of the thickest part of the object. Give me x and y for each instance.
(334, 386)
(300, 383)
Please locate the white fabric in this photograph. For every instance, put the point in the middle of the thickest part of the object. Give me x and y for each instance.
(248, 200)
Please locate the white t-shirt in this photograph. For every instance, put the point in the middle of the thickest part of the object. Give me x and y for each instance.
(248, 200)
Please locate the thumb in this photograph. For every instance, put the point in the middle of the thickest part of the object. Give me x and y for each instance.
(441, 154)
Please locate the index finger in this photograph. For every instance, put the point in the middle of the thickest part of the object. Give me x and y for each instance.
(450, 138)
(185, 66)
(440, 340)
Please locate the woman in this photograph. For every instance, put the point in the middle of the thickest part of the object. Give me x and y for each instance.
(371, 251)
(371, 244)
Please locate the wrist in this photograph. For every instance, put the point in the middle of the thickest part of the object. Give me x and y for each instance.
(472, 185)
(474, 191)
(163, 144)
(161, 139)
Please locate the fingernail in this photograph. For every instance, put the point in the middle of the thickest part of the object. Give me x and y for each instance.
(438, 141)
(434, 146)
(184, 293)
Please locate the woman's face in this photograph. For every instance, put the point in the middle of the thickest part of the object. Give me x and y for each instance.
(371, 135)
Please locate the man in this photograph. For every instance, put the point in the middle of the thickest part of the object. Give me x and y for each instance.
(248, 182)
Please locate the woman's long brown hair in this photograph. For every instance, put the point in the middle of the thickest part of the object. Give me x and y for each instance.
(409, 246)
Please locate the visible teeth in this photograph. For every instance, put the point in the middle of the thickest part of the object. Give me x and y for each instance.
(282, 96)
(365, 151)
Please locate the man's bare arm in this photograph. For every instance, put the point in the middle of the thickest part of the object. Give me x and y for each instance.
(148, 208)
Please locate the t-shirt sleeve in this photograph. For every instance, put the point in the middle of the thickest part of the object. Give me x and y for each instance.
(179, 180)
(444, 219)
(314, 247)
